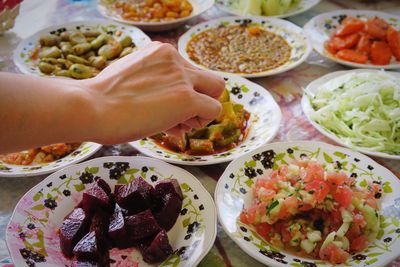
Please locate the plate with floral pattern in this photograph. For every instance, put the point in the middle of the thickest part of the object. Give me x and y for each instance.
(293, 35)
(32, 233)
(303, 5)
(234, 191)
(23, 53)
(84, 151)
(320, 28)
(263, 125)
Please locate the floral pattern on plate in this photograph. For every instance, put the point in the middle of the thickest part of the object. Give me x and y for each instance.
(320, 28)
(32, 233)
(86, 150)
(264, 123)
(234, 192)
(294, 35)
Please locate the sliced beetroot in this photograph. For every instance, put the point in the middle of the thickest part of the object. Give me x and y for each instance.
(116, 229)
(168, 186)
(158, 250)
(135, 197)
(74, 227)
(104, 185)
(78, 263)
(142, 225)
(95, 200)
(167, 215)
(86, 249)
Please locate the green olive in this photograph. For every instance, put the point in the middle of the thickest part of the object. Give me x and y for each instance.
(99, 41)
(49, 40)
(79, 71)
(81, 49)
(66, 49)
(46, 67)
(77, 38)
(98, 62)
(91, 34)
(126, 51)
(53, 52)
(125, 40)
(65, 36)
(63, 73)
(110, 51)
(49, 60)
(78, 60)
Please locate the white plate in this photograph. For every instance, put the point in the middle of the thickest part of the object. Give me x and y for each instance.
(293, 34)
(303, 6)
(86, 150)
(199, 7)
(264, 123)
(32, 233)
(308, 110)
(233, 192)
(320, 28)
(25, 63)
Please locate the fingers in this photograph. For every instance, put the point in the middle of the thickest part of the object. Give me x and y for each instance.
(178, 130)
(207, 83)
(206, 108)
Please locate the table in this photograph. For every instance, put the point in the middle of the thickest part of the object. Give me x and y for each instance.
(287, 89)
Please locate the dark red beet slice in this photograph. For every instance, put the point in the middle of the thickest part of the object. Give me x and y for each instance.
(168, 186)
(86, 249)
(95, 200)
(169, 212)
(78, 263)
(74, 227)
(142, 225)
(116, 229)
(135, 197)
(104, 185)
(158, 250)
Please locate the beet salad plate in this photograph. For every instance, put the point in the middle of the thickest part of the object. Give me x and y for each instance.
(33, 233)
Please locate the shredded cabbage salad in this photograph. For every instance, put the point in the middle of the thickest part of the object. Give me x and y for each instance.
(362, 109)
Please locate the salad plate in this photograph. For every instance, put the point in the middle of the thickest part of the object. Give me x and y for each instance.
(32, 233)
(234, 193)
(353, 122)
(84, 151)
(199, 6)
(321, 27)
(263, 36)
(234, 7)
(263, 124)
(23, 54)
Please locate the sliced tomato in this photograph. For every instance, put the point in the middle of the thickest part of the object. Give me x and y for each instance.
(336, 178)
(314, 172)
(319, 188)
(354, 231)
(364, 44)
(376, 28)
(305, 207)
(263, 229)
(358, 244)
(350, 25)
(285, 233)
(288, 207)
(381, 54)
(251, 215)
(301, 163)
(243, 217)
(345, 42)
(359, 219)
(352, 56)
(333, 254)
(343, 194)
(266, 194)
(393, 38)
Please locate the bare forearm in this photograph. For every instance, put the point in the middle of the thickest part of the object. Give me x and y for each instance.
(40, 111)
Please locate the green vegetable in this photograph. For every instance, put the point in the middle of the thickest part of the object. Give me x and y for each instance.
(201, 145)
(46, 67)
(79, 71)
(307, 245)
(329, 239)
(361, 109)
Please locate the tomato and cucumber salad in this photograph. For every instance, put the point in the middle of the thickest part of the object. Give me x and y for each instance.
(314, 210)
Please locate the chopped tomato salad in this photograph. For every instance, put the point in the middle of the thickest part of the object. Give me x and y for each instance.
(362, 41)
(314, 210)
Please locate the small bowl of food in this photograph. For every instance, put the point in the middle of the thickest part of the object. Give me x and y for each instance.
(77, 50)
(154, 15)
(306, 203)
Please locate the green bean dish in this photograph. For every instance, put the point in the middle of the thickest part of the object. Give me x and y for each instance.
(80, 54)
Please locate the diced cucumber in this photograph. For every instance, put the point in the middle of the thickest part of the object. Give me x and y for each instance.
(275, 210)
(215, 131)
(314, 236)
(345, 243)
(293, 170)
(339, 244)
(372, 218)
(343, 229)
(346, 216)
(329, 239)
(307, 245)
(253, 7)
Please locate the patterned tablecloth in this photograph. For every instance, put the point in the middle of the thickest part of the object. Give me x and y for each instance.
(287, 89)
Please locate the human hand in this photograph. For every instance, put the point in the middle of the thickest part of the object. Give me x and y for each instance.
(149, 91)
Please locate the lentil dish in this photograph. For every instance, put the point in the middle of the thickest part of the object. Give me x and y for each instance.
(239, 49)
(40, 155)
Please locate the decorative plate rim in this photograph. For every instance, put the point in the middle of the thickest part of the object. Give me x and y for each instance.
(23, 68)
(95, 147)
(306, 107)
(312, 4)
(8, 235)
(309, 27)
(274, 132)
(186, 37)
(228, 169)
